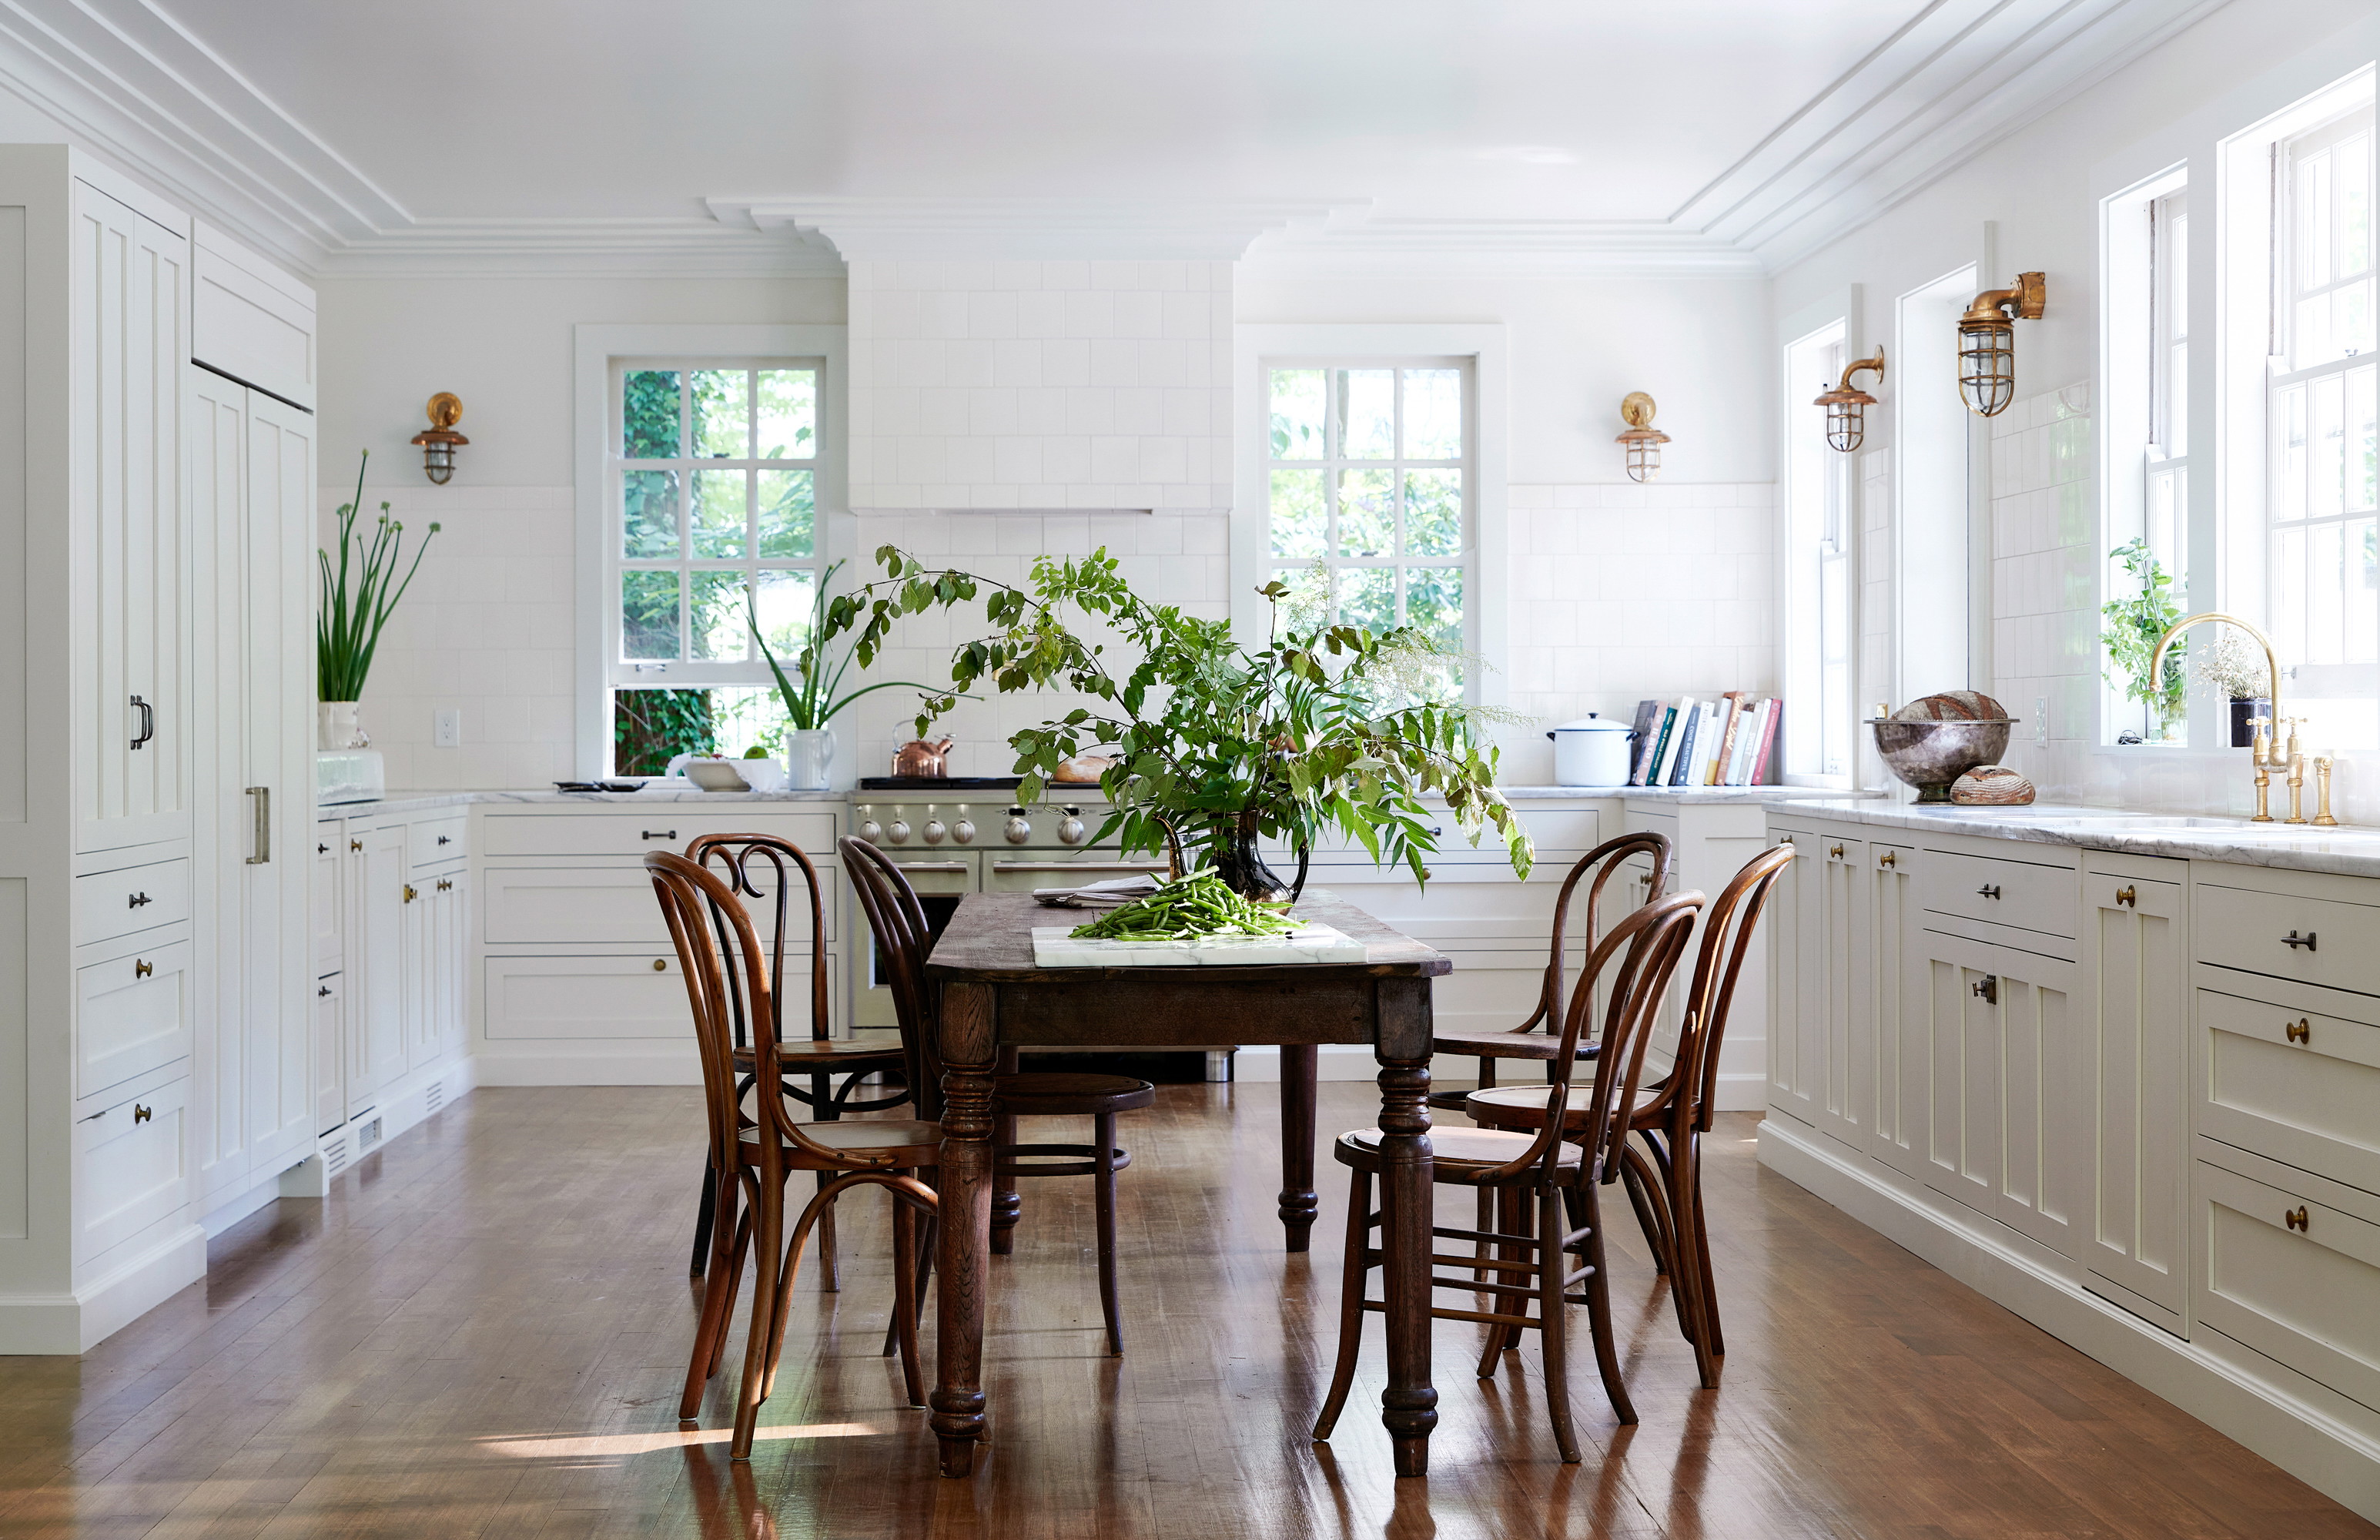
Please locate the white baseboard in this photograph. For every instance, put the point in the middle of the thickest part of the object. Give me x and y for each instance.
(2225, 1392)
(239, 1207)
(1333, 1061)
(77, 1322)
(1741, 1091)
(588, 1064)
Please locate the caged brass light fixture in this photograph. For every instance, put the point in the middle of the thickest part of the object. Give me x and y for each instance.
(1987, 343)
(1643, 440)
(439, 440)
(1847, 404)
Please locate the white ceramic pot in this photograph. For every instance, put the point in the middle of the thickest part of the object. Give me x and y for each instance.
(1591, 752)
(809, 760)
(337, 727)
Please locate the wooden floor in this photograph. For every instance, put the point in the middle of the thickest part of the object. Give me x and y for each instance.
(481, 1333)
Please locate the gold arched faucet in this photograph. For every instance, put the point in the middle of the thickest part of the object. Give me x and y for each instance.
(2264, 749)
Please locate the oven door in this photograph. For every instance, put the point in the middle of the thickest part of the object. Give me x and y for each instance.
(1057, 868)
(941, 881)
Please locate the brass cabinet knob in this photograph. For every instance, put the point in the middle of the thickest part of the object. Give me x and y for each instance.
(2129, 897)
(355, 845)
(2296, 1218)
(1887, 859)
(661, 964)
(1784, 839)
(2300, 1030)
(409, 894)
(142, 967)
(445, 885)
(1835, 852)
(141, 1114)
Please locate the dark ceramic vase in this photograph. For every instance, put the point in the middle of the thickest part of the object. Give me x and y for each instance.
(2243, 733)
(1240, 863)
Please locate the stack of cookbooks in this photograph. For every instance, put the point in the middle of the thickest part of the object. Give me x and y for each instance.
(1727, 741)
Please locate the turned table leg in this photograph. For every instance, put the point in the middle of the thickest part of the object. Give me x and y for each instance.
(1298, 1074)
(1007, 1204)
(965, 1241)
(1409, 1404)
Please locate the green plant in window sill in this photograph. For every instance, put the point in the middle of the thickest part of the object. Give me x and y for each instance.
(2133, 626)
(358, 600)
(1218, 747)
(810, 695)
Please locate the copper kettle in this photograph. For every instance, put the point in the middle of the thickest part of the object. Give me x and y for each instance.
(919, 760)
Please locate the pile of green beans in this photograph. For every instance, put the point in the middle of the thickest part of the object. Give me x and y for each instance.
(1198, 907)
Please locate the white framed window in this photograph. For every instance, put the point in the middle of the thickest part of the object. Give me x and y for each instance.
(2323, 429)
(2145, 407)
(1370, 478)
(708, 469)
(1819, 565)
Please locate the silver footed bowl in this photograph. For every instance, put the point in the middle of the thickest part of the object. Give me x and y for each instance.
(1931, 754)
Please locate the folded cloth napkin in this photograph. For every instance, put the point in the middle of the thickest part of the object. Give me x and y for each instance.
(1100, 895)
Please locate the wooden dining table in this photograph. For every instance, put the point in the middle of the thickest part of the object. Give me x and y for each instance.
(993, 996)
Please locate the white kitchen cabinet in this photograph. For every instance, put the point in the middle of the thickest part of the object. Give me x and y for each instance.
(378, 881)
(1900, 1052)
(251, 486)
(2135, 1067)
(1820, 1059)
(330, 1022)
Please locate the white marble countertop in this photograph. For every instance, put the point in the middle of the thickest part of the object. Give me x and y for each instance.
(2346, 850)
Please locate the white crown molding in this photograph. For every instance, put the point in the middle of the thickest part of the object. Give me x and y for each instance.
(1954, 80)
(1033, 229)
(609, 248)
(1517, 248)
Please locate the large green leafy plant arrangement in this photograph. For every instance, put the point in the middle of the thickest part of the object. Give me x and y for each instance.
(1321, 730)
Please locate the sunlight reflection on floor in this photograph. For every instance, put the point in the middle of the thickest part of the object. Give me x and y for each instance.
(586, 1446)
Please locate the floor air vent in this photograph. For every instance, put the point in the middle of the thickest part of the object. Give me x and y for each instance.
(437, 1095)
(334, 1155)
(368, 1135)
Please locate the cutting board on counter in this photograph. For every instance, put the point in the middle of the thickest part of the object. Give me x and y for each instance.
(1053, 947)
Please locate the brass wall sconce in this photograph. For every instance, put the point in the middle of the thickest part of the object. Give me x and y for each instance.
(440, 441)
(1987, 343)
(1846, 405)
(1643, 440)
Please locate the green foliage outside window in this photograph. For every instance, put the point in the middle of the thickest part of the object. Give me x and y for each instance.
(2133, 626)
(649, 728)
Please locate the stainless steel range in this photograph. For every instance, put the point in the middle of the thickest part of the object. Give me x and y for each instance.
(974, 841)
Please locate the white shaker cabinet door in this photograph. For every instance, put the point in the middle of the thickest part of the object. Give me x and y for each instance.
(1898, 1044)
(2136, 1063)
(376, 956)
(129, 338)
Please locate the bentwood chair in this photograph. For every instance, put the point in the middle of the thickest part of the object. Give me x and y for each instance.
(760, 867)
(755, 1154)
(1536, 1038)
(1670, 1116)
(899, 922)
(1535, 1236)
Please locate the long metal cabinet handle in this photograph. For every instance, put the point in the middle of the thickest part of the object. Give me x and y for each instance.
(148, 721)
(264, 795)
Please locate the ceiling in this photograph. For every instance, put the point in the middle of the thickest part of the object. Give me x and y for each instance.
(1709, 132)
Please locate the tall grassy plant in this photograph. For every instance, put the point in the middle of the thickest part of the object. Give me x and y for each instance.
(811, 695)
(358, 599)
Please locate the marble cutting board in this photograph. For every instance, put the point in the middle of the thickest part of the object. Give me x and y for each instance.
(1053, 947)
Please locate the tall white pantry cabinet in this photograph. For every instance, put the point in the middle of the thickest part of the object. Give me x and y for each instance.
(155, 777)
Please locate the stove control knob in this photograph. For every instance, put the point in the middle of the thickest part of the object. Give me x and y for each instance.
(934, 831)
(1018, 828)
(1070, 827)
(963, 831)
(900, 831)
(870, 830)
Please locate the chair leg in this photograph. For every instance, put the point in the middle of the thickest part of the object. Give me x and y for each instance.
(768, 1235)
(1350, 1302)
(904, 1314)
(702, 1218)
(718, 1301)
(1499, 1336)
(1105, 1193)
(1484, 1212)
(1693, 1249)
(826, 1107)
(1658, 1229)
(1553, 1321)
(1599, 1311)
(738, 1249)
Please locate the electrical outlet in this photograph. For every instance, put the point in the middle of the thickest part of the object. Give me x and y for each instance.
(2040, 719)
(446, 731)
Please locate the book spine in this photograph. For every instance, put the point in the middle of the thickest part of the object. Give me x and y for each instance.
(1639, 748)
(1684, 755)
(1768, 742)
(1660, 760)
(1747, 737)
(1728, 732)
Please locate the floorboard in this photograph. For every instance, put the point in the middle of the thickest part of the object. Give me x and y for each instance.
(481, 1331)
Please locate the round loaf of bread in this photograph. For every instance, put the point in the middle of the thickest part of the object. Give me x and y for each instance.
(1992, 786)
(1952, 706)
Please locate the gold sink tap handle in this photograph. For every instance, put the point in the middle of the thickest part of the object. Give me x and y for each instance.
(2322, 789)
(2266, 750)
(2297, 763)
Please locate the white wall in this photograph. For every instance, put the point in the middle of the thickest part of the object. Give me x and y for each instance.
(2040, 493)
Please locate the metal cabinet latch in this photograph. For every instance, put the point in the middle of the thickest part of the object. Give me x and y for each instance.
(1986, 989)
(1990, 890)
(2294, 940)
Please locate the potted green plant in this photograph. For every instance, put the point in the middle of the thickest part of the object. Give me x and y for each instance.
(1217, 746)
(2134, 623)
(812, 694)
(355, 603)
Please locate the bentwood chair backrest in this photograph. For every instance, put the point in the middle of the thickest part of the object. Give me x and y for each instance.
(1603, 863)
(1726, 941)
(1641, 952)
(690, 896)
(903, 939)
(758, 866)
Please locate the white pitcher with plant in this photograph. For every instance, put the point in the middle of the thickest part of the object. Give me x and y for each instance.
(356, 601)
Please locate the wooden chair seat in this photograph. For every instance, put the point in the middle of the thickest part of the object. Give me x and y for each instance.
(1458, 1156)
(869, 1143)
(1036, 1095)
(1522, 1108)
(834, 1056)
(1504, 1043)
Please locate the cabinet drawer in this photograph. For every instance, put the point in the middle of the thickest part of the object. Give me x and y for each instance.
(632, 833)
(134, 1171)
(435, 840)
(2338, 944)
(2017, 893)
(132, 1016)
(562, 999)
(2291, 1277)
(556, 906)
(2296, 1086)
(111, 904)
